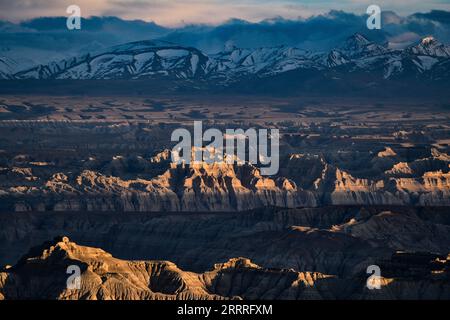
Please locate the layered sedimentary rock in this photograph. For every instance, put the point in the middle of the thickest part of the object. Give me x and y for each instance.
(331, 240)
(203, 187)
(43, 274)
(156, 184)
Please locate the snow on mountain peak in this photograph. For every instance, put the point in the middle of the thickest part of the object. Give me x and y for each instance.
(358, 46)
(150, 59)
(429, 46)
(131, 60)
(428, 40)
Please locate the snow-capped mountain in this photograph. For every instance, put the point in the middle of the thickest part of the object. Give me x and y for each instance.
(427, 59)
(357, 46)
(236, 62)
(131, 61)
(361, 55)
(429, 46)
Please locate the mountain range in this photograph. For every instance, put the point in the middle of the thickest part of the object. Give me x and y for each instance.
(357, 57)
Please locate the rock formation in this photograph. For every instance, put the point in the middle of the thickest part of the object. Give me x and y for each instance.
(46, 273)
(138, 184)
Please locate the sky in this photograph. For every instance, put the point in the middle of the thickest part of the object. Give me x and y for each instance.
(181, 12)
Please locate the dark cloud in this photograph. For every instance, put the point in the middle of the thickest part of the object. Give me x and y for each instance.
(46, 38)
(320, 32)
(172, 12)
(435, 15)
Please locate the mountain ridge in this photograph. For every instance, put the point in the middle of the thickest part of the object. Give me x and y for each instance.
(426, 60)
(222, 187)
(42, 274)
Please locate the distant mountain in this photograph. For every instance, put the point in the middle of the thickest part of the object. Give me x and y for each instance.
(235, 63)
(416, 61)
(143, 59)
(429, 46)
(357, 46)
(427, 60)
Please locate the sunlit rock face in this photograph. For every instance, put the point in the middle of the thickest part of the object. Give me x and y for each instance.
(196, 187)
(42, 274)
(157, 184)
(340, 241)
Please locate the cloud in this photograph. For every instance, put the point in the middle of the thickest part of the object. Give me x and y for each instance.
(176, 12)
(18, 10)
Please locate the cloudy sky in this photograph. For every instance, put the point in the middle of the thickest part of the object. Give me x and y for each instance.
(179, 12)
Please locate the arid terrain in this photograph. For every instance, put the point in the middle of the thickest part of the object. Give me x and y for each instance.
(225, 150)
(61, 154)
(41, 275)
(360, 183)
